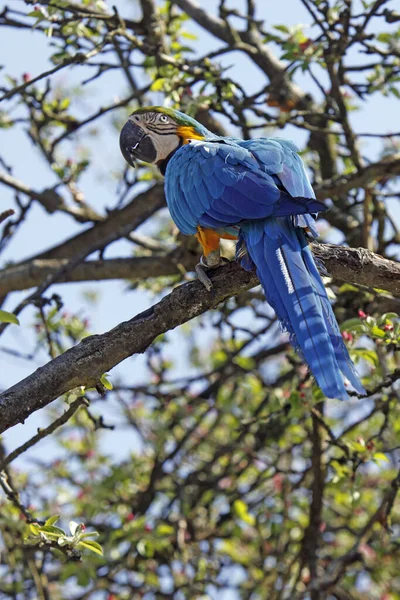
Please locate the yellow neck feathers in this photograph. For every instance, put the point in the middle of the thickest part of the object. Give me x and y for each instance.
(188, 133)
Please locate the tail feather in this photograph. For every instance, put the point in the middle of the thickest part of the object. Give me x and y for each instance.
(294, 289)
(342, 356)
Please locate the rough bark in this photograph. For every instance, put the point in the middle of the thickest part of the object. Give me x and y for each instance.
(345, 264)
(31, 274)
(360, 266)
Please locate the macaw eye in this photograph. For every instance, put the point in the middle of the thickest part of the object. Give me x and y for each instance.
(164, 119)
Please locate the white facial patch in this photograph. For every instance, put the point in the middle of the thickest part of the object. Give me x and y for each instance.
(198, 143)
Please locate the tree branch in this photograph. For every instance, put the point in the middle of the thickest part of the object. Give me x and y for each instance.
(27, 275)
(51, 200)
(359, 266)
(136, 212)
(387, 167)
(343, 263)
(85, 363)
(312, 533)
(249, 42)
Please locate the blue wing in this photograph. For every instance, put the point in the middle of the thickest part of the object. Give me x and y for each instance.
(215, 184)
(278, 156)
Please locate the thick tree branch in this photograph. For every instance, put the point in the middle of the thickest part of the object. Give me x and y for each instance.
(357, 264)
(27, 275)
(136, 212)
(360, 266)
(85, 363)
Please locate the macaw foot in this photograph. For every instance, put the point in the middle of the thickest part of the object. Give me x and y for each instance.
(213, 260)
(202, 276)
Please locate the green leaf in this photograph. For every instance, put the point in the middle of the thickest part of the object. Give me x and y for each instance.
(65, 103)
(377, 332)
(350, 324)
(395, 91)
(357, 447)
(7, 317)
(145, 548)
(83, 577)
(232, 548)
(282, 28)
(52, 531)
(165, 529)
(89, 534)
(158, 84)
(347, 287)
(35, 529)
(387, 317)
(380, 457)
(188, 36)
(93, 546)
(37, 14)
(241, 510)
(385, 38)
(52, 520)
(107, 384)
(367, 355)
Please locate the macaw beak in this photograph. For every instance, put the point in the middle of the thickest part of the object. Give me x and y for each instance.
(136, 144)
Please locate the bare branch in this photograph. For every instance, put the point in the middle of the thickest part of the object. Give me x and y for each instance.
(30, 274)
(387, 167)
(43, 433)
(135, 213)
(51, 200)
(248, 41)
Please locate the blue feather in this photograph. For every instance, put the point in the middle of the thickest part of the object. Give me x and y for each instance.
(294, 289)
(215, 187)
(288, 167)
(341, 353)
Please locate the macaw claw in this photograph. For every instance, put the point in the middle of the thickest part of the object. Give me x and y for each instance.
(202, 276)
(213, 260)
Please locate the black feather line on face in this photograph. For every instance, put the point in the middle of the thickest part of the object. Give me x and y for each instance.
(161, 131)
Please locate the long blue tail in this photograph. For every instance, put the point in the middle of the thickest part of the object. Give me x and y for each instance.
(294, 289)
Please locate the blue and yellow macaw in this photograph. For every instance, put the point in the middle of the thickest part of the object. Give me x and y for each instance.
(256, 191)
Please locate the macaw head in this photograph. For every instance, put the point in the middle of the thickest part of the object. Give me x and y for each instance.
(153, 133)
